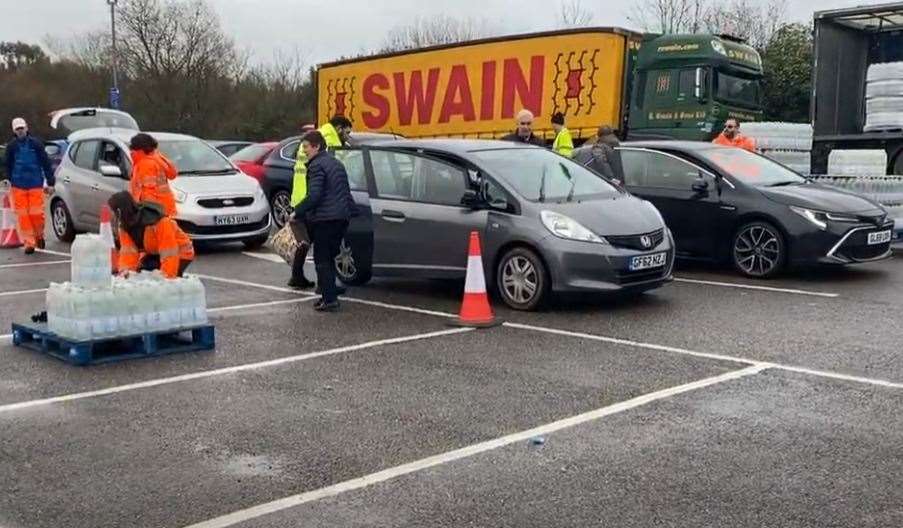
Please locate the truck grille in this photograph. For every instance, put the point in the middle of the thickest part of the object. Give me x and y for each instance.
(636, 241)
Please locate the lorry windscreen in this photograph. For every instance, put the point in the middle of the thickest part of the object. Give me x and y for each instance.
(737, 90)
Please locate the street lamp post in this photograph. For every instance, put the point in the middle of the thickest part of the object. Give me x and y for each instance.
(114, 91)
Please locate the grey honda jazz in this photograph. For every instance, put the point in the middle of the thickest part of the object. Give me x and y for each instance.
(547, 224)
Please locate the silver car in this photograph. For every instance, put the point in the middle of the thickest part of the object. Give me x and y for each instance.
(214, 200)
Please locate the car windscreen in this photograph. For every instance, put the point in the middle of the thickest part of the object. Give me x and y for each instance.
(95, 119)
(195, 157)
(251, 153)
(750, 168)
(542, 175)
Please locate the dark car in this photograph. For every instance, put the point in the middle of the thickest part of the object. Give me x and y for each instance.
(228, 147)
(547, 224)
(727, 204)
(279, 171)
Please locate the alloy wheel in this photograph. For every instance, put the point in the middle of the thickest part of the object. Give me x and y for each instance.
(282, 208)
(520, 279)
(757, 250)
(344, 262)
(60, 222)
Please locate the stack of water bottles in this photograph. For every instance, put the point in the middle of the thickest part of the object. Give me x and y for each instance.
(97, 306)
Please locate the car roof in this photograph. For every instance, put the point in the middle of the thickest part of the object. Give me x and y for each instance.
(220, 142)
(458, 146)
(125, 135)
(683, 146)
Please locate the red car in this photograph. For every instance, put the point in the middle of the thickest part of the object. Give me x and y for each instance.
(250, 159)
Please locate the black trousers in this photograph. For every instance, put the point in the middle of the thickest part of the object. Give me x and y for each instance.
(298, 263)
(327, 239)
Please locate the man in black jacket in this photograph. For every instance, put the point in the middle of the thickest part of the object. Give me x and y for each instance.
(328, 207)
(524, 132)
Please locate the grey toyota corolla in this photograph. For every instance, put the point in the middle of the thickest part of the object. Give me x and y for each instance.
(547, 224)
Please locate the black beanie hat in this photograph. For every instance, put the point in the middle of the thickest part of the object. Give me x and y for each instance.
(557, 118)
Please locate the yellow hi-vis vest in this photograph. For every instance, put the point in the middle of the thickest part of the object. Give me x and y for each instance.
(299, 181)
(564, 144)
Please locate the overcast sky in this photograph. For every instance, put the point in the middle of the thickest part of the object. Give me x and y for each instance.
(323, 29)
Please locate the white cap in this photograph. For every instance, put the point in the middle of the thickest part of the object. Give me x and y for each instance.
(19, 123)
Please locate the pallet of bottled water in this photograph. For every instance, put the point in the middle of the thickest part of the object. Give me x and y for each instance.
(143, 315)
(143, 303)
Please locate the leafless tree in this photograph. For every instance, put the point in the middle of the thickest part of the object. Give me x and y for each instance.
(434, 31)
(670, 16)
(573, 14)
(752, 21)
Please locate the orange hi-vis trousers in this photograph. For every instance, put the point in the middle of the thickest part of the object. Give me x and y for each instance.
(29, 207)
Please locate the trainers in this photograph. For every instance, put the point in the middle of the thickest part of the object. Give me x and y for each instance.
(327, 307)
(300, 284)
(29, 250)
(41, 243)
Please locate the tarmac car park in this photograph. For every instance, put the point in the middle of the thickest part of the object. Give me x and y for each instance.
(712, 400)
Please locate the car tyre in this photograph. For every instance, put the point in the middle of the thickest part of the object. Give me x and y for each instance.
(522, 280)
(758, 250)
(61, 220)
(350, 268)
(255, 243)
(281, 205)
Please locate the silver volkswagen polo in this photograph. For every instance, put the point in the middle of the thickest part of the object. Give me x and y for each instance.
(215, 201)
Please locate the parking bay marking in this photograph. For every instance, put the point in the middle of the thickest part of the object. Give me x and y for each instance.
(613, 340)
(29, 264)
(228, 370)
(22, 292)
(285, 503)
(759, 288)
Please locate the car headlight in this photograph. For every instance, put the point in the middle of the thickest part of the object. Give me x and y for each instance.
(566, 227)
(180, 195)
(817, 218)
(820, 218)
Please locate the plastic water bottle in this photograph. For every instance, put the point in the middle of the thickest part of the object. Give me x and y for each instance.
(199, 301)
(186, 309)
(81, 314)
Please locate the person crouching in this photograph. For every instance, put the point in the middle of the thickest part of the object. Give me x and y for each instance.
(148, 239)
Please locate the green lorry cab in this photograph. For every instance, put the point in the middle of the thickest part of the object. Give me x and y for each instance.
(686, 86)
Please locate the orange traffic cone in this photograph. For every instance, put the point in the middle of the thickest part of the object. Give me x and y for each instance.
(475, 309)
(106, 234)
(9, 237)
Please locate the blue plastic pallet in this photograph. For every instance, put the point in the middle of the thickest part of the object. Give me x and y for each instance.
(38, 338)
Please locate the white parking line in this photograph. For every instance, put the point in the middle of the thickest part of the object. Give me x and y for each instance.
(227, 370)
(22, 292)
(269, 257)
(675, 350)
(51, 252)
(344, 299)
(614, 340)
(759, 288)
(29, 264)
(483, 447)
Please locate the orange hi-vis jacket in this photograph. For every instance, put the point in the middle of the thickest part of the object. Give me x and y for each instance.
(163, 238)
(150, 180)
(739, 141)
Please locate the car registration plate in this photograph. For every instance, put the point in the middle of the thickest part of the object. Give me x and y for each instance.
(879, 237)
(656, 260)
(228, 220)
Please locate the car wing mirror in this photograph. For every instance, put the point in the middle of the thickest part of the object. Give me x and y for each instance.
(700, 184)
(471, 199)
(111, 171)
